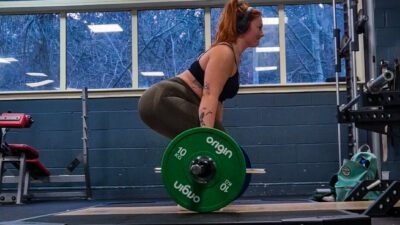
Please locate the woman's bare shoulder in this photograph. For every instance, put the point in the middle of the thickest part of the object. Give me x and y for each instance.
(221, 50)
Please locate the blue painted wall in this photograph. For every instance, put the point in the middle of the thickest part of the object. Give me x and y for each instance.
(293, 136)
(387, 24)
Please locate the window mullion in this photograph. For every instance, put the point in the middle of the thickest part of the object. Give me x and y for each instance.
(63, 51)
(282, 46)
(207, 27)
(135, 51)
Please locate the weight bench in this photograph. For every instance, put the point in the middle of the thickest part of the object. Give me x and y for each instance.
(23, 157)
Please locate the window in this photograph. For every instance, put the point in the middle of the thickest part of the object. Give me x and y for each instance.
(258, 65)
(100, 53)
(169, 41)
(99, 50)
(29, 52)
(309, 42)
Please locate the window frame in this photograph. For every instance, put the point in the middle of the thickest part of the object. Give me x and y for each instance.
(62, 7)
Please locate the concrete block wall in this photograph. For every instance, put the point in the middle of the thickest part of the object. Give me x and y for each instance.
(387, 23)
(292, 135)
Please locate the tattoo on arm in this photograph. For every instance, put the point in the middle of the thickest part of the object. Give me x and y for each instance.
(206, 88)
(202, 115)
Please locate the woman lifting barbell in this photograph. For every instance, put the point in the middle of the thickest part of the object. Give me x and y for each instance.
(195, 97)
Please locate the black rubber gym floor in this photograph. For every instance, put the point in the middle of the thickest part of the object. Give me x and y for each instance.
(82, 212)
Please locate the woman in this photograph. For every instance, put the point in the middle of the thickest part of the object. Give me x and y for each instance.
(195, 97)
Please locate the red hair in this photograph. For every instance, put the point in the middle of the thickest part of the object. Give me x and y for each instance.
(227, 31)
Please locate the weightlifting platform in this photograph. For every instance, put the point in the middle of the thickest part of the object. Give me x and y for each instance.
(323, 213)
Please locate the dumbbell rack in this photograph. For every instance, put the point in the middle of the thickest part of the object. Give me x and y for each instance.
(38, 173)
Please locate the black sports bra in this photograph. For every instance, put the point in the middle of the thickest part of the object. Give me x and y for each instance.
(231, 87)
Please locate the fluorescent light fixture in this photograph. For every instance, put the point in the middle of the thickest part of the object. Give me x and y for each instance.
(8, 60)
(153, 74)
(272, 20)
(33, 74)
(3, 60)
(104, 28)
(12, 59)
(267, 49)
(266, 68)
(41, 83)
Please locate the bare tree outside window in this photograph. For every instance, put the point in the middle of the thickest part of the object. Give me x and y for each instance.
(29, 52)
(309, 42)
(99, 47)
(99, 50)
(169, 41)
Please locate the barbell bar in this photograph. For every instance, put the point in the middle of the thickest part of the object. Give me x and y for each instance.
(248, 170)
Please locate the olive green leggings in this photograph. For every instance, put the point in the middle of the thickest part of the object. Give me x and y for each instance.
(171, 107)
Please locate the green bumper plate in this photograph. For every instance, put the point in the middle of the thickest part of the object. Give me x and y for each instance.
(229, 175)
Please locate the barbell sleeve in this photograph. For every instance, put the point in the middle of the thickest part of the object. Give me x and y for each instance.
(376, 85)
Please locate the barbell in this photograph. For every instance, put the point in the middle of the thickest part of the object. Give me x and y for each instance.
(204, 169)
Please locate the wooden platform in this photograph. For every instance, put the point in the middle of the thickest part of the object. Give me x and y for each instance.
(76, 212)
(242, 208)
(305, 213)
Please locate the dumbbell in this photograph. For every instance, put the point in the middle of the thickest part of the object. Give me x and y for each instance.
(204, 169)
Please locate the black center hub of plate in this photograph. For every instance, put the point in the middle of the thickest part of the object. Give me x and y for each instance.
(202, 169)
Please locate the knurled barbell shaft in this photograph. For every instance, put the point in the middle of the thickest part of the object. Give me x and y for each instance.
(248, 170)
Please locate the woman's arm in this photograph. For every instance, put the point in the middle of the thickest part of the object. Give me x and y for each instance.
(220, 112)
(217, 71)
